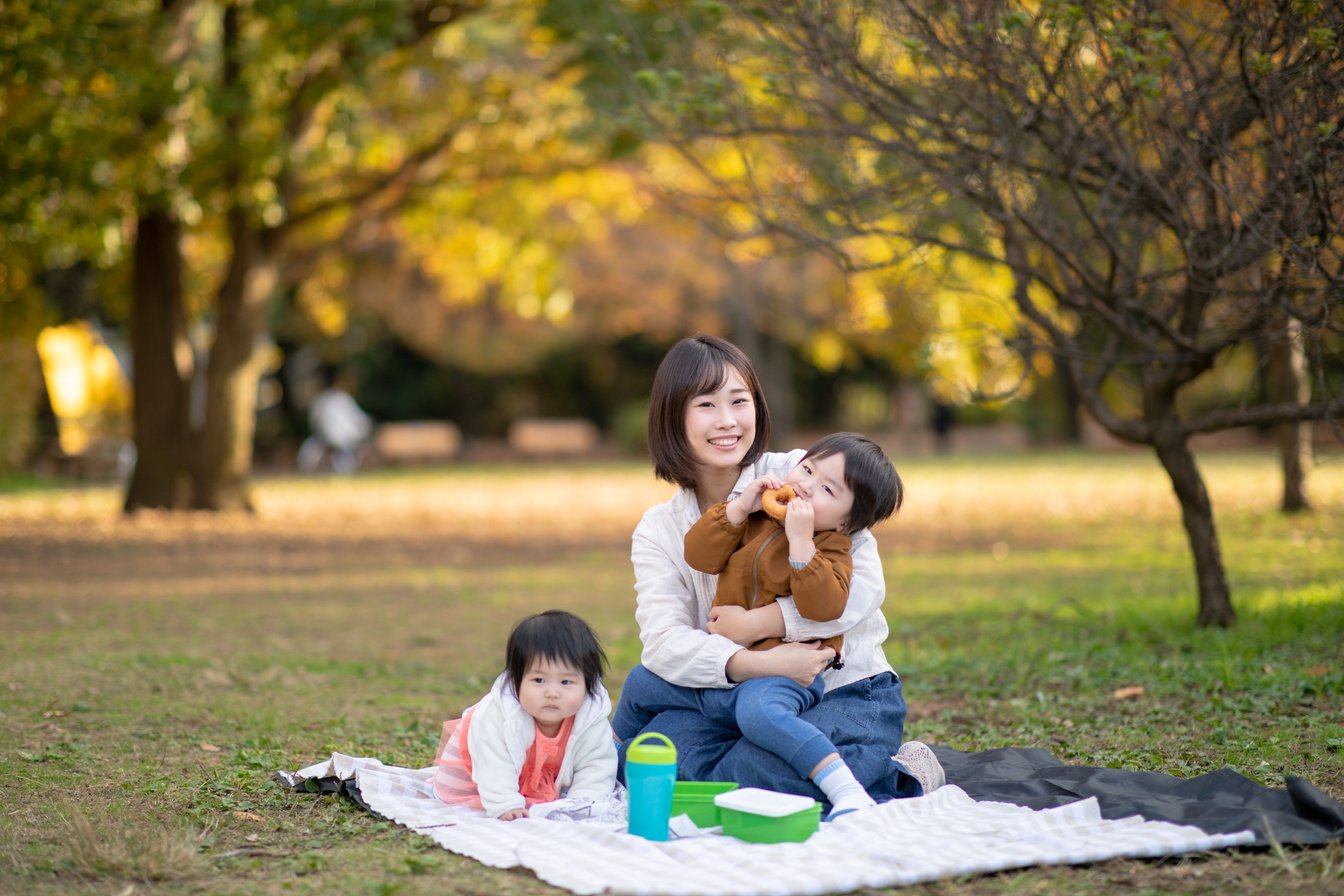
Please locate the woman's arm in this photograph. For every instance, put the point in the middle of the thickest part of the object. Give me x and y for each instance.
(801, 662)
(669, 610)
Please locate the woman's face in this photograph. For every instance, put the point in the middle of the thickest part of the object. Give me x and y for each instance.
(721, 425)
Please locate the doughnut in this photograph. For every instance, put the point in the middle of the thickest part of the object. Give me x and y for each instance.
(774, 499)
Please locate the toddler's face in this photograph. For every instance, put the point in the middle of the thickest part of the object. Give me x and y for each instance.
(551, 692)
(822, 484)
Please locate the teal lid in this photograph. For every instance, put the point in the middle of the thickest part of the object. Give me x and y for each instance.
(650, 753)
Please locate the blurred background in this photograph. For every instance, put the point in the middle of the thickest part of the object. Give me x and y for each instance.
(485, 223)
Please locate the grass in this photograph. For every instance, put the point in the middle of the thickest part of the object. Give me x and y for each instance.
(155, 671)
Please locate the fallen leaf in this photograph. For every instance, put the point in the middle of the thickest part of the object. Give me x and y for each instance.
(1318, 671)
(248, 816)
(1128, 693)
(210, 748)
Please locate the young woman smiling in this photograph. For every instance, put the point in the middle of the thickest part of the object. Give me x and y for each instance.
(709, 426)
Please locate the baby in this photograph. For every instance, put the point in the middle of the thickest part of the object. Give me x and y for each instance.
(542, 731)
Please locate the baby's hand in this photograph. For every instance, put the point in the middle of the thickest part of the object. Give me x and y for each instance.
(513, 814)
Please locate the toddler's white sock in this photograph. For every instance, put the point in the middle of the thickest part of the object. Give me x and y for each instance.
(842, 789)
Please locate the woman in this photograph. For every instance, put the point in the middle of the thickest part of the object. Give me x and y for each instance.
(708, 428)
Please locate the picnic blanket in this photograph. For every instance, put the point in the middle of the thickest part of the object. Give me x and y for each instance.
(1222, 801)
(944, 834)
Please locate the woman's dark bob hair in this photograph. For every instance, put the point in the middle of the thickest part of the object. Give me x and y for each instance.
(697, 365)
(559, 637)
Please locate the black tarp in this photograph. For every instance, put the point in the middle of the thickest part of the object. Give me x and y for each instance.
(1219, 802)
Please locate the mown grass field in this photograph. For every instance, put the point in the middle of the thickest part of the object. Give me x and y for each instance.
(155, 671)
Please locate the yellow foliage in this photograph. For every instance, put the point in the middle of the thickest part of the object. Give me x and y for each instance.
(89, 392)
(826, 350)
(868, 304)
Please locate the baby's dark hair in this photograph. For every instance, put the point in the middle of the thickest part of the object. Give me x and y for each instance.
(869, 475)
(559, 637)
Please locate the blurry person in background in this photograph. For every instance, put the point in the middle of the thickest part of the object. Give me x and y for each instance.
(342, 432)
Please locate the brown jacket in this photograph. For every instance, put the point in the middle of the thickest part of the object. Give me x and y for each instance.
(752, 563)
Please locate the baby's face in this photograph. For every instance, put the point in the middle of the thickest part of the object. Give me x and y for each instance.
(551, 692)
(822, 484)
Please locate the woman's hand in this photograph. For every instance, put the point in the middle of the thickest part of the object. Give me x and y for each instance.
(801, 661)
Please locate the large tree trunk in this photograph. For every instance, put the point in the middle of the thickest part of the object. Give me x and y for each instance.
(1173, 450)
(234, 368)
(1288, 383)
(234, 372)
(162, 365)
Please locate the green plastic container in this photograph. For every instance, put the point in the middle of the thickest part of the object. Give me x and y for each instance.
(764, 816)
(696, 799)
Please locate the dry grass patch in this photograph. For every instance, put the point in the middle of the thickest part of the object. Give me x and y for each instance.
(121, 849)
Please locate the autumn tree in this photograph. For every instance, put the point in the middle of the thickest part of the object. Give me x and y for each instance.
(1160, 183)
(226, 153)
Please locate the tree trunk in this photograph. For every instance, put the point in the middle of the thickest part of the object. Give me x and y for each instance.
(234, 372)
(234, 369)
(1068, 388)
(767, 353)
(1288, 383)
(161, 367)
(1173, 450)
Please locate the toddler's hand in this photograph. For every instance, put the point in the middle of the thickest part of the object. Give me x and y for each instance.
(732, 623)
(513, 814)
(799, 521)
(747, 503)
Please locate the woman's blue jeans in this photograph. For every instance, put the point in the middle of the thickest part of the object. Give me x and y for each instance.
(864, 721)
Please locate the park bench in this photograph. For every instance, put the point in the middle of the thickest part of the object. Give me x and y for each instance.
(417, 441)
(548, 437)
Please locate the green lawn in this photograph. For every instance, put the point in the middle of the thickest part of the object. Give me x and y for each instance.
(155, 671)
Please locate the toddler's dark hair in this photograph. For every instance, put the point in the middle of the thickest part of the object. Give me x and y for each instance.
(559, 637)
(869, 475)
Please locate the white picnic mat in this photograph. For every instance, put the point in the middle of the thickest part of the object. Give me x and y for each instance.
(945, 834)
